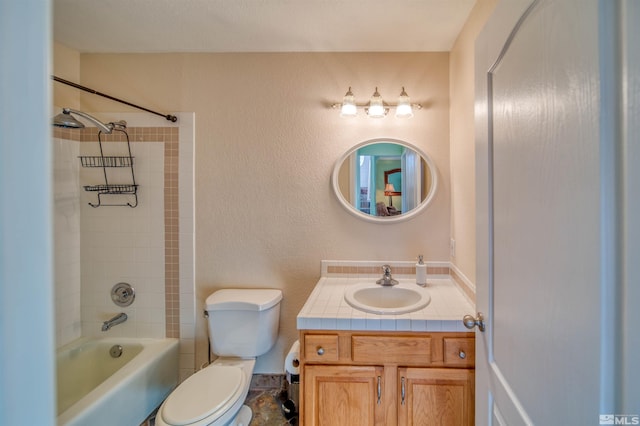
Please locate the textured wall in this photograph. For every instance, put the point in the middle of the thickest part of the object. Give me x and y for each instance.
(463, 193)
(66, 65)
(266, 144)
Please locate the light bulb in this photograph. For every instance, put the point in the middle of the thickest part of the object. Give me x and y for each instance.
(348, 108)
(376, 106)
(404, 109)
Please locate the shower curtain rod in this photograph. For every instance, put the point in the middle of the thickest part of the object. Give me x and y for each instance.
(169, 117)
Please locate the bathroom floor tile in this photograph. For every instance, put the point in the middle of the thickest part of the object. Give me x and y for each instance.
(266, 407)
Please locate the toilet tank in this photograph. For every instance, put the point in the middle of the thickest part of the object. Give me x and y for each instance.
(243, 322)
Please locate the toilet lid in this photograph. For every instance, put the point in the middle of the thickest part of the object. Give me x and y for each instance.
(202, 394)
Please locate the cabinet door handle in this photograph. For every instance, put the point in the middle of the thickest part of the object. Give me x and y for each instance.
(320, 351)
(379, 389)
(462, 354)
(402, 390)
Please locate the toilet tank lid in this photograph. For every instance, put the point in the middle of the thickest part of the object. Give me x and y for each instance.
(243, 299)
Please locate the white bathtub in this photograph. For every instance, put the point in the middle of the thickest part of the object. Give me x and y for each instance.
(96, 389)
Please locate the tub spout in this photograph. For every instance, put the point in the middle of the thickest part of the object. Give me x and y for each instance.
(118, 319)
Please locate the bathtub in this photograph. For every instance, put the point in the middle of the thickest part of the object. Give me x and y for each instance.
(94, 388)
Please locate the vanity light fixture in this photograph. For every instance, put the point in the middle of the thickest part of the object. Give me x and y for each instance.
(376, 107)
(404, 109)
(348, 108)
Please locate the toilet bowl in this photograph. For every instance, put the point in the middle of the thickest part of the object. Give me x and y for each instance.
(243, 324)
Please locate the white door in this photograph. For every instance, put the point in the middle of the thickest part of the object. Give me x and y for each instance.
(549, 279)
(411, 180)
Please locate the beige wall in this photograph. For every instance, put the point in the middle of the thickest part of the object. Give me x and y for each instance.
(66, 65)
(266, 144)
(263, 131)
(462, 140)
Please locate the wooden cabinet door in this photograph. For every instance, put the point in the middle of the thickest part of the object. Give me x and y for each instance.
(342, 395)
(435, 396)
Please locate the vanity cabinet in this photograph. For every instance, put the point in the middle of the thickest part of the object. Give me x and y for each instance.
(436, 396)
(386, 378)
(343, 395)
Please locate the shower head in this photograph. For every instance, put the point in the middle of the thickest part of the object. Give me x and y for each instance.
(65, 119)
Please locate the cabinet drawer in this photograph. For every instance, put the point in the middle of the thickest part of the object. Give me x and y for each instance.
(459, 351)
(392, 349)
(321, 348)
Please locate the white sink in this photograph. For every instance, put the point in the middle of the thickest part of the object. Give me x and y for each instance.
(387, 300)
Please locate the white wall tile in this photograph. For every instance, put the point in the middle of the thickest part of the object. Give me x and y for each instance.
(67, 240)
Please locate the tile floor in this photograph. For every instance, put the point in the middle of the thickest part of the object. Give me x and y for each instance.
(267, 408)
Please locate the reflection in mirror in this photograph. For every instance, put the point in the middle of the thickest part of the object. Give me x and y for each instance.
(384, 180)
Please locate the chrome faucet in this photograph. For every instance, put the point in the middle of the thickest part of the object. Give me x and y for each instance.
(387, 279)
(118, 319)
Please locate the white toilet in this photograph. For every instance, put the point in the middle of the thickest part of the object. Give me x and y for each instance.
(243, 324)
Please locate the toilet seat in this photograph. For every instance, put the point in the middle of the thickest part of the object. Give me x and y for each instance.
(204, 397)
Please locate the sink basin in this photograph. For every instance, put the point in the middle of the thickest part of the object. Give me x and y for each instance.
(398, 299)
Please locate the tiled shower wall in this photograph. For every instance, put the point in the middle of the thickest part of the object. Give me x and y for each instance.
(150, 246)
(67, 239)
(124, 244)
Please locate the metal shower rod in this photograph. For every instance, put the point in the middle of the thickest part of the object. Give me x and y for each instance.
(169, 117)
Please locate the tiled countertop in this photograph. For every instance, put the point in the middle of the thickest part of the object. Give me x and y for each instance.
(326, 309)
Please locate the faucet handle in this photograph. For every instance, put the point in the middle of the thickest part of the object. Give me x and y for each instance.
(387, 279)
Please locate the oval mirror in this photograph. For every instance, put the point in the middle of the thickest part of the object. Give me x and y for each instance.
(384, 180)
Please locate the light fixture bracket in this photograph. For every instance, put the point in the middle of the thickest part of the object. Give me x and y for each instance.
(385, 108)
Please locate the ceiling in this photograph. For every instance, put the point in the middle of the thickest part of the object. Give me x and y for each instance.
(121, 26)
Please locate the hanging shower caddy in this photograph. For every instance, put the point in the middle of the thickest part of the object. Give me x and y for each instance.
(107, 162)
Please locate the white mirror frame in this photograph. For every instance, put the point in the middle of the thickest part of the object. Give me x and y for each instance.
(387, 219)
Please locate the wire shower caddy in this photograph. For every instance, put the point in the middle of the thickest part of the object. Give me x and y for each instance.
(105, 162)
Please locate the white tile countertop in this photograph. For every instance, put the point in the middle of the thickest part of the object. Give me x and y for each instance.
(326, 308)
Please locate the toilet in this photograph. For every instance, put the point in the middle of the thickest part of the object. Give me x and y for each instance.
(243, 324)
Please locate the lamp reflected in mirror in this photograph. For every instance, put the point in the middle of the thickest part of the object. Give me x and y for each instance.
(389, 190)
